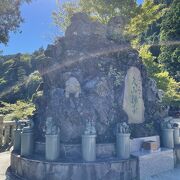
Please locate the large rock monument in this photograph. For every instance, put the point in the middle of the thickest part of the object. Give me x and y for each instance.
(92, 81)
(92, 73)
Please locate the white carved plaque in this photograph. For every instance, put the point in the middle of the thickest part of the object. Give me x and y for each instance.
(133, 103)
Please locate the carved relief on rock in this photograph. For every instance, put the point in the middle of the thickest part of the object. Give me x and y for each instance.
(133, 103)
(72, 86)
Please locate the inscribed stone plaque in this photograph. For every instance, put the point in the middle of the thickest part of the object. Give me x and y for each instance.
(133, 103)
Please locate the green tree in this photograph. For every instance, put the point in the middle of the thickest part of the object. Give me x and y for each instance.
(101, 10)
(21, 73)
(10, 18)
(146, 30)
(147, 15)
(162, 77)
(170, 40)
(19, 110)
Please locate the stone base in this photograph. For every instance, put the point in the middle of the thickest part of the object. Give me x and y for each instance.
(102, 150)
(11, 175)
(154, 163)
(177, 154)
(37, 168)
(74, 150)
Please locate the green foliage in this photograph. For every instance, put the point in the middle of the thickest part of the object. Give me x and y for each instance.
(32, 83)
(117, 75)
(21, 73)
(25, 58)
(170, 26)
(149, 60)
(104, 10)
(170, 58)
(148, 14)
(34, 77)
(19, 78)
(19, 110)
(63, 16)
(170, 86)
(10, 18)
(170, 40)
(100, 10)
(155, 28)
(163, 79)
(37, 95)
(2, 81)
(9, 62)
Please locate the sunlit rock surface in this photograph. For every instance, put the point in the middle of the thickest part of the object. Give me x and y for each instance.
(84, 79)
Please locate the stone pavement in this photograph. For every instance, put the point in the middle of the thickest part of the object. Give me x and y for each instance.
(4, 164)
(169, 175)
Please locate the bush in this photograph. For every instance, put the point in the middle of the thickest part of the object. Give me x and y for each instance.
(19, 110)
(162, 77)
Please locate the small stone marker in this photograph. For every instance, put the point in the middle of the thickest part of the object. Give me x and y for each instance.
(133, 103)
(150, 145)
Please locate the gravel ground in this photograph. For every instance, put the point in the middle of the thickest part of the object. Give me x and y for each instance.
(169, 175)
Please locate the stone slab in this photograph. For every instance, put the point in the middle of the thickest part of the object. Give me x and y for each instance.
(107, 169)
(133, 103)
(154, 163)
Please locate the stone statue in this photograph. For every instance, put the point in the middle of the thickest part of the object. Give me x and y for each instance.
(51, 127)
(72, 86)
(90, 128)
(30, 126)
(123, 128)
(166, 123)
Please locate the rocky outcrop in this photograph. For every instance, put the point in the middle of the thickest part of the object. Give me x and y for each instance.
(84, 74)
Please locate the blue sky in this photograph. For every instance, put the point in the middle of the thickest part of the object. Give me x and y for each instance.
(37, 30)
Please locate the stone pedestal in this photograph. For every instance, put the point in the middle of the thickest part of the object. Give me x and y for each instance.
(17, 139)
(102, 169)
(89, 147)
(168, 138)
(52, 147)
(27, 143)
(177, 154)
(176, 136)
(123, 145)
(154, 163)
